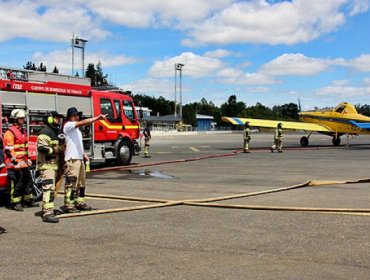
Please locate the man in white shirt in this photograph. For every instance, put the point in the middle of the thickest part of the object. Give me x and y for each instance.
(74, 191)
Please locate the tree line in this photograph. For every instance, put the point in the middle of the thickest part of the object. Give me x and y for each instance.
(232, 108)
(94, 72)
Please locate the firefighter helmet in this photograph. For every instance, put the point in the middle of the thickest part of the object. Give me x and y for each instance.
(18, 113)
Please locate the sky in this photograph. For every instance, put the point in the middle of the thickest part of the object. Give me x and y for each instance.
(272, 52)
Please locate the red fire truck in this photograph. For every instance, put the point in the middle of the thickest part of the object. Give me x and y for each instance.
(40, 92)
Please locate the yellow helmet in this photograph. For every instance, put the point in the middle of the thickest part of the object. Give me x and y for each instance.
(18, 113)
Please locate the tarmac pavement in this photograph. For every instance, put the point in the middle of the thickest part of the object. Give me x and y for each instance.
(189, 242)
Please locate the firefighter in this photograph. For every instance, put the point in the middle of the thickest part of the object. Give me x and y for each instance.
(278, 139)
(246, 137)
(147, 138)
(74, 192)
(49, 151)
(18, 162)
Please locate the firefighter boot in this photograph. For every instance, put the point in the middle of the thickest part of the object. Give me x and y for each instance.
(83, 207)
(68, 209)
(80, 201)
(18, 207)
(29, 204)
(2, 230)
(50, 218)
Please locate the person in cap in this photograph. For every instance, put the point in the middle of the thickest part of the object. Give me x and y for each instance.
(278, 139)
(246, 137)
(49, 152)
(74, 192)
(18, 162)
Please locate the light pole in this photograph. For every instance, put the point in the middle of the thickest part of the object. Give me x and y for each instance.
(175, 90)
(178, 67)
(79, 44)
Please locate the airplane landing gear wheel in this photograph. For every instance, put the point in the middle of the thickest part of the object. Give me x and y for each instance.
(304, 141)
(336, 141)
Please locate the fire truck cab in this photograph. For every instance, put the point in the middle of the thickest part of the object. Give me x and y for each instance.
(41, 92)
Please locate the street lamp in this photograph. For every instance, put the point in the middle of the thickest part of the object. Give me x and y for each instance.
(79, 44)
(178, 67)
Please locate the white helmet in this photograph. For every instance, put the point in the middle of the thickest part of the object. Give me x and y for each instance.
(18, 113)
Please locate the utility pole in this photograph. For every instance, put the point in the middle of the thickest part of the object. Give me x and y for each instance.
(175, 90)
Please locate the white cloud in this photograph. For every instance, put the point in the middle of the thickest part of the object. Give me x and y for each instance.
(294, 64)
(366, 81)
(230, 73)
(152, 13)
(195, 66)
(62, 59)
(152, 86)
(359, 6)
(283, 22)
(258, 89)
(52, 22)
(204, 21)
(219, 53)
(340, 83)
(344, 90)
(360, 63)
(248, 79)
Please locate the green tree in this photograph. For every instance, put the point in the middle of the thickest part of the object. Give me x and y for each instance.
(30, 66)
(96, 75)
(55, 70)
(232, 107)
(363, 109)
(91, 73)
(259, 111)
(189, 112)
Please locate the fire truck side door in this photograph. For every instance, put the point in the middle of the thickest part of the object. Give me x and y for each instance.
(130, 119)
(117, 106)
(107, 130)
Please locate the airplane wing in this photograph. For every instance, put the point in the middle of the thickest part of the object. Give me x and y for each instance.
(273, 124)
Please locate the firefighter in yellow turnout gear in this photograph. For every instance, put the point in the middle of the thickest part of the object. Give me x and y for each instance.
(246, 137)
(147, 138)
(278, 139)
(49, 151)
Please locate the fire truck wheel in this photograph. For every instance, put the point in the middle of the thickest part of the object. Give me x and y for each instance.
(124, 152)
(36, 184)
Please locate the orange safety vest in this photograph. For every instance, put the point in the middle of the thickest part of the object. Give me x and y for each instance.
(16, 143)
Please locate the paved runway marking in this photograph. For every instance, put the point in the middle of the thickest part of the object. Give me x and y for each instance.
(194, 149)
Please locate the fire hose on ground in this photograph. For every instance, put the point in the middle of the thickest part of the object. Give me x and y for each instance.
(161, 203)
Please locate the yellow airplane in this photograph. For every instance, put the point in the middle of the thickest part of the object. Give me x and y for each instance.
(343, 119)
